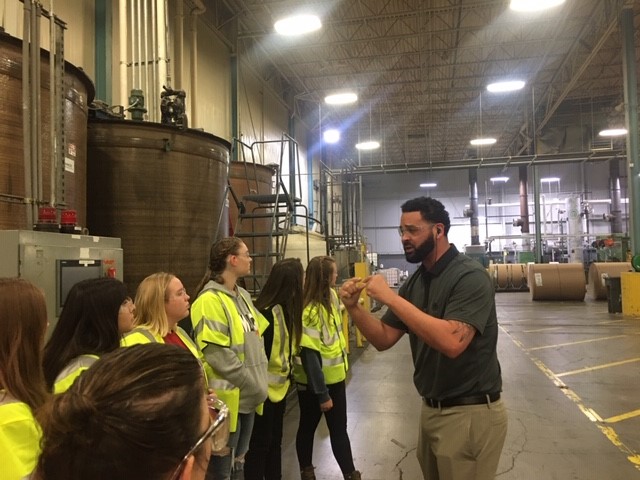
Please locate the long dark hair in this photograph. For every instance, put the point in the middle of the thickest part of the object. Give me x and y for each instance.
(133, 415)
(284, 288)
(317, 281)
(23, 323)
(220, 250)
(88, 324)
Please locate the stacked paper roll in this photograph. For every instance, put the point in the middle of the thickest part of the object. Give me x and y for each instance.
(598, 272)
(560, 281)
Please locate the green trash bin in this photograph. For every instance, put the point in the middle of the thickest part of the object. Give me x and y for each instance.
(614, 294)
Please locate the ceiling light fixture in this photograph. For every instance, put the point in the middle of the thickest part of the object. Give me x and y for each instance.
(369, 145)
(341, 98)
(482, 141)
(297, 25)
(549, 179)
(428, 185)
(508, 86)
(331, 136)
(613, 132)
(533, 5)
(499, 179)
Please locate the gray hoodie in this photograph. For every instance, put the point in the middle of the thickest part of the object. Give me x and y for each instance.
(249, 376)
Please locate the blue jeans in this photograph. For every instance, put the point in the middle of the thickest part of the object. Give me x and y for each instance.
(220, 466)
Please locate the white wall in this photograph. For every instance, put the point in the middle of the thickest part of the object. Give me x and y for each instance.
(79, 36)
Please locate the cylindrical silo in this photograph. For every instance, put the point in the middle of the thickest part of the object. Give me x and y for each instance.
(78, 92)
(253, 179)
(161, 190)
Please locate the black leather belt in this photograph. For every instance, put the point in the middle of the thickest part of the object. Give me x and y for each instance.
(460, 401)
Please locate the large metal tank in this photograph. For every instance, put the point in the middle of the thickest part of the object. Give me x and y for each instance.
(250, 179)
(161, 190)
(78, 94)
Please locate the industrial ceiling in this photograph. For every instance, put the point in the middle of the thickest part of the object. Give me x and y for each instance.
(421, 67)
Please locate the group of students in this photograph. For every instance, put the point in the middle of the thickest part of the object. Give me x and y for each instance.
(82, 407)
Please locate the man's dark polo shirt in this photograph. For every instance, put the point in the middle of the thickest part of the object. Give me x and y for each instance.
(456, 288)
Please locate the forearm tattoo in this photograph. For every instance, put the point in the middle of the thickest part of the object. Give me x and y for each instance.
(462, 330)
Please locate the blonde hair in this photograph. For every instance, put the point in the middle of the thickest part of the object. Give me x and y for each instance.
(151, 297)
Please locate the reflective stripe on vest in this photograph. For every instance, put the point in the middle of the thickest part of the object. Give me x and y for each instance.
(279, 366)
(72, 371)
(331, 346)
(228, 335)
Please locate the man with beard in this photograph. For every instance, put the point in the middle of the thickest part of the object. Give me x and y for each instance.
(448, 309)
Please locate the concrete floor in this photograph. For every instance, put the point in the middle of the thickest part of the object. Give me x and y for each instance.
(571, 374)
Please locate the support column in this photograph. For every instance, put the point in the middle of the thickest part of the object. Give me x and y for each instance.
(473, 206)
(631, 117)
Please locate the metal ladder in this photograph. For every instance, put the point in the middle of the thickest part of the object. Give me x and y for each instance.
(265, 218)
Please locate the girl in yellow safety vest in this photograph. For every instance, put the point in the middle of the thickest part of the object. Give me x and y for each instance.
(228, 328)
(95, 315)
(280, 301)
(161, 302)
(320, 370)
(23, 322)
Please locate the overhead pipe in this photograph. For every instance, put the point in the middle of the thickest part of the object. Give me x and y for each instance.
(614, 192)
(34, 62)
(198, 10)
(53, 111)
(138, 37)
(146, 62)
(473, 206)
(536, 212)
(524, 200)
(155, 92)
(492, 162)
(631, 119)
(26, 114)
(122, 33)
(132, 35)
(178, 45)
(163, 42)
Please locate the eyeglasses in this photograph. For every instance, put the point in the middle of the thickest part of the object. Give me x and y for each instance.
(218, 431)
(244, 254)
(412, 230)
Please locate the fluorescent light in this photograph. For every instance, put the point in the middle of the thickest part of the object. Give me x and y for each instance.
(499, 179)
(509, 86)
(428, 185)
(533, 5)
(331, 136)
(369, 145)
(483, 141)
(341, 98)
(613, 132)
(297, 25)
(549, 179)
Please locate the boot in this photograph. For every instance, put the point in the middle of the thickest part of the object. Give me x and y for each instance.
(355, 475)
(307, 473)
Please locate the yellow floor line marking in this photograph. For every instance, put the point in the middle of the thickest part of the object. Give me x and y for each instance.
(576, 343)
(624, 416)
(542, 330)
(598, 367)
(591, 414)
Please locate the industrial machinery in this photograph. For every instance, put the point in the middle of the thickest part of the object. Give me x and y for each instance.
(56, 261)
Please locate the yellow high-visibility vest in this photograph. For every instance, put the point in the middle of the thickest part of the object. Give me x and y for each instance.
(322, 332)
(19, 439)
(72, 371)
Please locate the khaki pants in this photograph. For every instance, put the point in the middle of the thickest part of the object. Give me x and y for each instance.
(461, 443)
